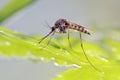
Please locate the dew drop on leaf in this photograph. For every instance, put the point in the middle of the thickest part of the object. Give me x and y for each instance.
(7, 43)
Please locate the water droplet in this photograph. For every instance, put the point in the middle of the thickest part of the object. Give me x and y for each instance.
(65, 63)
(7, 43)
(89, 52)
(114, 49)
(56, 64)
(41, 58)
(52, 58)
(103, 73)
(34, 44)
(1, 31)
(77, 66)
(60, 76)
(104, 59)
(66, 52)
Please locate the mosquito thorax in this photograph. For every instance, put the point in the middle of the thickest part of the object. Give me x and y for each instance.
(61, 23)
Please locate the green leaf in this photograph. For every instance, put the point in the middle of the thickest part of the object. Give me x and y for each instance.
(16, 44)
(85, 73)
(12, 7)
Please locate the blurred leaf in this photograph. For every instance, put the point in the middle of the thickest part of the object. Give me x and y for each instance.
(85, 73)
(16, 44)
(12, 7)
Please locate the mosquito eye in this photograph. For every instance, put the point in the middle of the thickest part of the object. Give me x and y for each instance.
(53, 28)
(66, 24)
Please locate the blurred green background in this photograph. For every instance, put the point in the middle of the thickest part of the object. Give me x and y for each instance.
(29, 17)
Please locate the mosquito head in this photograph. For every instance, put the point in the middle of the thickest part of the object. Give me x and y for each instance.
(61, 25)
(53, 29)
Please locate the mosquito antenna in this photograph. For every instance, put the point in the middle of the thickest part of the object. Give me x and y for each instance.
(86, 55)
(49, 39)
(47, 24)
(69, 40)
(45, 37)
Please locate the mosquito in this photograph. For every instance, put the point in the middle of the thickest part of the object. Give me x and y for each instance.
(63, 26)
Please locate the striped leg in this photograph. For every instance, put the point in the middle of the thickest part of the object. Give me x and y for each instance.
(85, 53)
(69, 40)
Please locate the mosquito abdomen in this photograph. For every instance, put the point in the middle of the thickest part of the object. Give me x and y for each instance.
(79, 28)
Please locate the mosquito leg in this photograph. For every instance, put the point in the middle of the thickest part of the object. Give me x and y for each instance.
(86, 55)
(49, 39)
(45, 37)
(69, 40)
